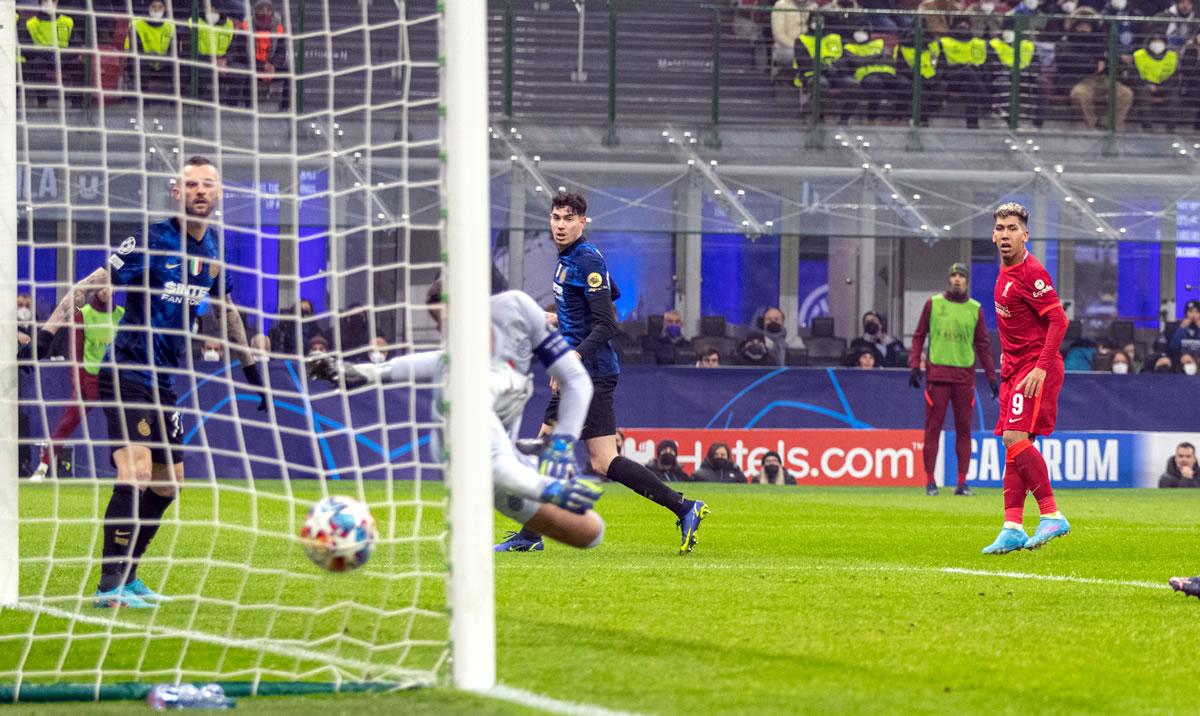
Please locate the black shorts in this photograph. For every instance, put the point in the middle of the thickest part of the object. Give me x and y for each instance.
(146, 415)
(601, 419)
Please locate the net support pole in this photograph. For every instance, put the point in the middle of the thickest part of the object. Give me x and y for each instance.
(9, 517)
(467, 285)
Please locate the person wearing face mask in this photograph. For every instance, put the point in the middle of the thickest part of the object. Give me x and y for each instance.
(888, 350)
(42, 38)
(717, 467)
(25, 314)
(1161, 363)
(268, 56)
(963, 57)
(1157, 86)
(869, 76)
(773, 472)
(379, 350)
(216, 40)
(806, 50)
(753, 351)
(665, 464)
(985, 21)
(95, 327)
(151, 40)
(669, 347)
(1121, 365)
(773, 325)
(1177, 32)
(1082, 62)
(1187, 364)
(1186, 338)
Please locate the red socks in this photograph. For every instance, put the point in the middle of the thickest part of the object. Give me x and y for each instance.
(1014, 493)
(1031, 467)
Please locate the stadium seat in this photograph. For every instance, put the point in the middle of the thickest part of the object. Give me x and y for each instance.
(713, 327)
(822, 327)
(797, 357)
(654, 325)
(1102, 362)
(1121, 332)
(826, 351)
(636, 328)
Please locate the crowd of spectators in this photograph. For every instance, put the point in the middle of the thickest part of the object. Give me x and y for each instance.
(719, 466)
(1174, 350)
(868, 61)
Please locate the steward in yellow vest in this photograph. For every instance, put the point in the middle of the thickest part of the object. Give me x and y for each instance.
(806, 53)
(1158, 84)
(152, 39)
(867, 75)
(963, 81)
(218, 42)
(42, 41)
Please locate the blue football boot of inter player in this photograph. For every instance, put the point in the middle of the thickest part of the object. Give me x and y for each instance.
(1009, 540)
(1048, 528)
(139, 589)
(119, 599)
(514, 542)
(689, 523)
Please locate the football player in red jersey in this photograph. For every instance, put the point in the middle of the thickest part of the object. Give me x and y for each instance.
(1032, 324)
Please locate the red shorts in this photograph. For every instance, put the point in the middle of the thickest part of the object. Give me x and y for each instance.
(1036, 415)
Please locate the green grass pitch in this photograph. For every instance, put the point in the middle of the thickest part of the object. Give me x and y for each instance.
(796, 600)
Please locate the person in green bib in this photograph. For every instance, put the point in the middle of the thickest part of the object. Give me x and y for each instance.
(151, 38)
(953, 322)
(96, 326)
(1157, 83)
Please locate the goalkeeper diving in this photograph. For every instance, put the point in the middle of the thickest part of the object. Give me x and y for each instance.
(548, 496)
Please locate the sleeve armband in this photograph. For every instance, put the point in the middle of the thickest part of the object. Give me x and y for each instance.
(551, 349)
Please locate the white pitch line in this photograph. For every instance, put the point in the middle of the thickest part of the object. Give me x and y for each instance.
(1056, 578)
(522, 697)
(266, 645)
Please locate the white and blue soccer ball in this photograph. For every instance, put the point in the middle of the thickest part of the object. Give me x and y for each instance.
(338, 534)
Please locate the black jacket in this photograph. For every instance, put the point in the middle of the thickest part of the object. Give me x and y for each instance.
(674, 473)
(1173, 478)
(725, 472)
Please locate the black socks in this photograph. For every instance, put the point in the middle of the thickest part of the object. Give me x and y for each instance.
(645, 483)
(150, 513)
(130, 522)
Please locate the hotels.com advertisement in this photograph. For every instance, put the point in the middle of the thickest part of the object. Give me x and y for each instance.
(883, 458)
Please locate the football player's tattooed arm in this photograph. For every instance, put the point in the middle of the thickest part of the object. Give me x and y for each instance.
(236, 331)
(65, 311)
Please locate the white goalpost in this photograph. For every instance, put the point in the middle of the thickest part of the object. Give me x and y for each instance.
(351, 139)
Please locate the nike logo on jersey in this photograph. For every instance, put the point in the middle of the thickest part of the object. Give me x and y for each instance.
(173, 266)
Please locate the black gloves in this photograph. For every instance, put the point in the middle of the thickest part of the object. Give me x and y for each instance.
(254, 377)
(914, 378)
(995, 386)
(45, 343)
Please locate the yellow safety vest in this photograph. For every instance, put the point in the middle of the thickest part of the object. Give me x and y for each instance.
(1004, 52)
(154, 40)
(51, 34)
(971, 52)
(213, 40)
(1156, 71)
(867, 50)
(831, 52)
(929, 58)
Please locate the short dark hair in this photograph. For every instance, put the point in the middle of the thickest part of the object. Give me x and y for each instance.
(198, 161)
(433, 294)
(575, 202)
(711, 352)
(1189, 446)
(1012, 208)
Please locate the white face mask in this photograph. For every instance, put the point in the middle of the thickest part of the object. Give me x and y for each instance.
(987, 6)
(1032, 4)
(1158, 47)
(1009, 37)
(48, 8)
(860, 36)
(212, 356)
(1068, 7)
(377, 356)
(156, 14)
(212, 16)
(1118, 4)
(1189, 368)
(1120, 368)
(24, 315)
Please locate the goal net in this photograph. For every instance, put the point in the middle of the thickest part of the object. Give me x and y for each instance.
(325, 119)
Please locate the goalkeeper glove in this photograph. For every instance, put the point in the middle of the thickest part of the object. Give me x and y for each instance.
(254, 377)
(574, 495)
(994, 385)
(914, 379)
(557, 458)
(45, 344)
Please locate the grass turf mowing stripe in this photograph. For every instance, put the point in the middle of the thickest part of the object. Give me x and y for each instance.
(546, 703)
(265, 645)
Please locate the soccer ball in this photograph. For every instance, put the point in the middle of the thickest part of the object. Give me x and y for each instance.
(338, 534)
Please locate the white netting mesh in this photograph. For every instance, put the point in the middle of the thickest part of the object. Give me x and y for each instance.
(322, 118)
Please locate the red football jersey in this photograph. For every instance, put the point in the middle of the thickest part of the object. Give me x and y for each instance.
(1023, 296)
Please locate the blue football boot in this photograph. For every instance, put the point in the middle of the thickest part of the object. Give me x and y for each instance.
(1009, 540)
(514, 542)
(1048, 528)
(689, 523)
(1188, 585)
(139, 589)
(119, 599)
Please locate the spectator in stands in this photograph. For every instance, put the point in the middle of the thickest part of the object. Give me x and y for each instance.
(774, 328)
(773, 471)
(151, 39)
(717, 467)
(868, 75)
(1121, 363)
(1079, 355)
(862, 357)
(908, 63)
(1181, 468)
(937, 25)
(1187, 335)
(1035, 21)
(1157, 84)
(666, 463)
(710, 358)
(962, 70)
(1126, 38)
(788, 22)
(39, 36)
(217, 39)
(25, 314)
(985, 21)
(212, 350)
(1134, 355)
(881, 23)
(317, 346)
(269, 53)
(1177, 29)
(1162, 363)
(1187, 364)
(667, 345)
(379, 350)
(1082, 62)
(753, 351)
(888, 350)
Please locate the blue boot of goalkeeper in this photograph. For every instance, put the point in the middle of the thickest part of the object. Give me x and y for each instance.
(514, 542)
(1048, 528)
(1009, 540)
(689, 523)
(118, 598)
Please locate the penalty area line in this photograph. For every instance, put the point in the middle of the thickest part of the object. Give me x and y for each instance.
(1055, 578)
(521, 697)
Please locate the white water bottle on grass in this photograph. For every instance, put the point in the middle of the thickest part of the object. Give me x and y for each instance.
(166, 697)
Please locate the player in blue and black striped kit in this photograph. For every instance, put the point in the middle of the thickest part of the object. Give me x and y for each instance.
(587, 318)
(166, 274)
